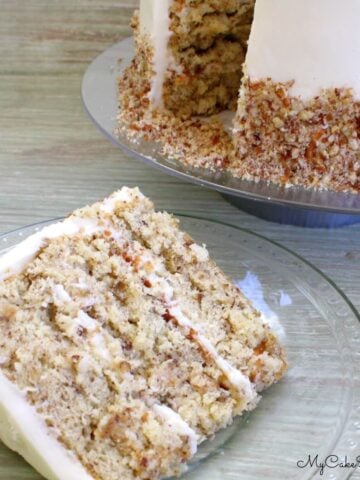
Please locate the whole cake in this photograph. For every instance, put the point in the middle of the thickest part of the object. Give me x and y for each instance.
(123, 346)
(288, 67)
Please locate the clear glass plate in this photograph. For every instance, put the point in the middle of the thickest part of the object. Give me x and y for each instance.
(315, 410)
(99, 93)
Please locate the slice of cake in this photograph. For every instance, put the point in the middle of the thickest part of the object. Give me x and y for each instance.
(298, 113)
(123, 346)
(298, 118)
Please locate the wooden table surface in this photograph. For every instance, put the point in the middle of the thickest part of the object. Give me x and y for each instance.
(52, 159)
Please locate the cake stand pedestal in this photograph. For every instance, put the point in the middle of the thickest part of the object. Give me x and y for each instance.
(301, 217)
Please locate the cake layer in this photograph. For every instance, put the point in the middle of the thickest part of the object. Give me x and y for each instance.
(22, 430)
(81, 406)
(194, 53)
(131, 304)
(212, 302)
(198, 25)
(140, 370)
(208, 80)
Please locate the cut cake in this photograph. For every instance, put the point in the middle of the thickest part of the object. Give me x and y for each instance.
(123, 346)
(289, 68)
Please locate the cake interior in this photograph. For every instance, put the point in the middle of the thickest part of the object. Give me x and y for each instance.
(207, 47)
(153, 350)
(209, 42)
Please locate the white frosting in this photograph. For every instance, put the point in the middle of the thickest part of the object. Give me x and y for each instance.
(16, 259)
(23, 431)
(84, 320)
(98, 342)
(236, 378)
(160, 286)
(61, 294)
(94, 335)
(124, 195)
(174, 420)
(316, 43)
(81, 285)
(155, 22)
(201, 253)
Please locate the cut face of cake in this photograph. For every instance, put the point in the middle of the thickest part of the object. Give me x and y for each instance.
(190, 53)
(295, 64)
(123, 346)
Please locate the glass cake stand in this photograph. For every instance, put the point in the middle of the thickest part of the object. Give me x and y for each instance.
(294, 205)
(315, 409)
